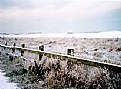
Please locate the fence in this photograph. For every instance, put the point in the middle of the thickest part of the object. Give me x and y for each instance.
(37, 55)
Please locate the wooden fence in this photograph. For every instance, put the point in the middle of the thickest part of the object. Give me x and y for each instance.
(21, 50)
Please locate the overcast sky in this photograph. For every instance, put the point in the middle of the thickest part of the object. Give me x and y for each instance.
(22, 16)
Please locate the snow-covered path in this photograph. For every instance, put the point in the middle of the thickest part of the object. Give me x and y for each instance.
(4, 84)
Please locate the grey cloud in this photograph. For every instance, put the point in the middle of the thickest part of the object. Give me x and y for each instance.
(14, 3)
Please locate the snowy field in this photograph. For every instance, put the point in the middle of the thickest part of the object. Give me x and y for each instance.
(4, 82)
(102, 46)
(108, 34)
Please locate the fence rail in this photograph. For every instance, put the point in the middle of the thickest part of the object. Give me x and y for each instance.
(109, 66)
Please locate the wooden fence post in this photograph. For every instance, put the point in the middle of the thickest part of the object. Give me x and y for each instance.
(70, 52)
(42, 49)
(6, 43)
(14, 44)
(13, 49)
(22, 52)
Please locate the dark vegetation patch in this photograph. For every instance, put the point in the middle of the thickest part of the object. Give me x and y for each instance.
(58, 74)
(118, 49)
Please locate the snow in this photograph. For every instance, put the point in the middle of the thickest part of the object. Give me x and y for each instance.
(4, 84)
(108, 34)
(83, 48)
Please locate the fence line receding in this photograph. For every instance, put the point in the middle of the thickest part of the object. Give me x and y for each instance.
(109, 66)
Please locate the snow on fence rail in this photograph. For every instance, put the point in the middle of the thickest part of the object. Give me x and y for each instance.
(21, 51)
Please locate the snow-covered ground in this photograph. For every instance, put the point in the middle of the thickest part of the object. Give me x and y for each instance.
(102, 46)
(4, 82)
(108, 34)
